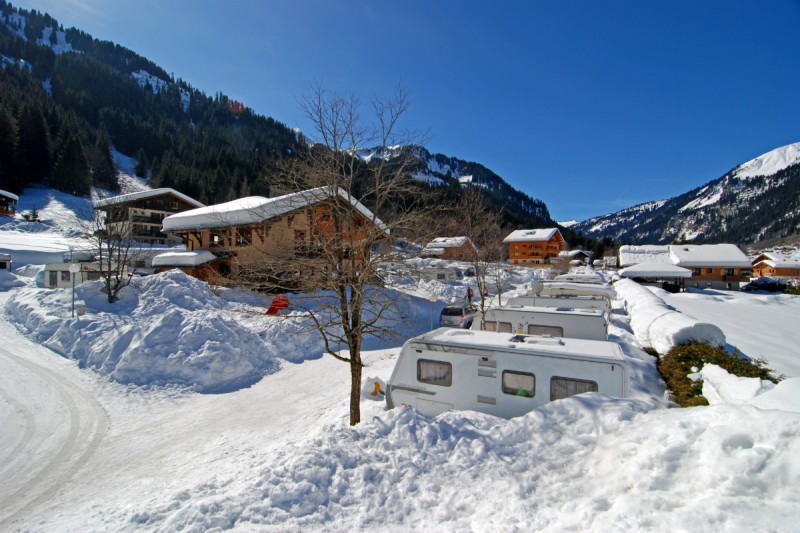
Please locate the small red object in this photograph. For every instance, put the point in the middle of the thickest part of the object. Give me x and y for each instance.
(278, 303)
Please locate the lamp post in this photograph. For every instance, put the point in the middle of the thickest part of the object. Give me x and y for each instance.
(74, 268)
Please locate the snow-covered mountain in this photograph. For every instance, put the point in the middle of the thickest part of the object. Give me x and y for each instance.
(756, 201)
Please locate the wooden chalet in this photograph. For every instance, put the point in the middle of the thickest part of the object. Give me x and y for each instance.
(450, 248)
(138, 216)
(8, 203)
(713, 266)
(247, 231)
(528, 247)
(775, 265)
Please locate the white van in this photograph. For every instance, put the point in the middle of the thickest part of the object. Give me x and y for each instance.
(501, 374)
(590, 324)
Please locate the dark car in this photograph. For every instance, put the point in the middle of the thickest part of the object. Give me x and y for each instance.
(765, 284)
(458, 316)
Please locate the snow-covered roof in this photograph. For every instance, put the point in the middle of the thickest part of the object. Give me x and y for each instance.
(9, 195)
(123, 198)
(186, 259)
(447, 242)
(531, 235)
(257, 209)
(655, 270)
(648, 253)
(573, 253)
(708, 255)
(780, 263)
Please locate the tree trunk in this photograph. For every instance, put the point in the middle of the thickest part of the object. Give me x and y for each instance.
(355, 390)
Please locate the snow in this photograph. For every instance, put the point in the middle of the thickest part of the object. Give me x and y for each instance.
(769, 163)
(704, 200)
(82, 452)
(145, 79)
(660, 326)
(531, 235)
(708, 255)
(140, 195)
(655, 270)
(757, 325)
(185, 259)
(648, 253)
(9, 195)
(256, 209)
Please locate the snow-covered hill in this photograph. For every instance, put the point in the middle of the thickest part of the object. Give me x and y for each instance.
(757, 200)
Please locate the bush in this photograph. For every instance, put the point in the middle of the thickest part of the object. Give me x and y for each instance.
(686, 359)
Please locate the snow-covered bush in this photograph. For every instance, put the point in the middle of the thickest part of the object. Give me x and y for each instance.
(660, 326)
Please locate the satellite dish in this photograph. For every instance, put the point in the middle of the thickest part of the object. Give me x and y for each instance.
(536, 287)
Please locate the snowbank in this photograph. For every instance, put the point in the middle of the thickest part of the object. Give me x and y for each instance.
(165, 330)
(8, 280)
(588, 463)
(660, 326)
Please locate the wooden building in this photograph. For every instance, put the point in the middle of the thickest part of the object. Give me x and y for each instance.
(138, 216)
(775, 265)
(529, 247)
(714, 266)
(8, 203)
(246, 232)
(450, 248)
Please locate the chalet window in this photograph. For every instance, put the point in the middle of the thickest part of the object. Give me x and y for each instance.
(173, 206)
(709, 271)
(243, 236)
(729, 272)
(565, 387)
(695, 272)
(434, 372)
(521, 384)
(299, 239)
(65, 275)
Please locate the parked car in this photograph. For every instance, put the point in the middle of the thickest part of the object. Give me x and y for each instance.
(458, 316)
(765, 284)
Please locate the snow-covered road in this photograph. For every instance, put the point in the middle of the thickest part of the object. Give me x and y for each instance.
(51, 426)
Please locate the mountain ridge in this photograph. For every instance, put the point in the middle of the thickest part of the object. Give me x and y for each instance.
(755, 201)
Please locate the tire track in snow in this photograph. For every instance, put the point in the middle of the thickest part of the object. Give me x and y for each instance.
(87, 425)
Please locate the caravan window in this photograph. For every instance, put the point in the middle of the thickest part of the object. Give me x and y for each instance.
(490, 325)
(504, 327)
(519, 383)
(65, 275)
(434, 372)
(553, 331)
(566, 387)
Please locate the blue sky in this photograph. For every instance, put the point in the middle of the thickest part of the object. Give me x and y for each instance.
(590, 106)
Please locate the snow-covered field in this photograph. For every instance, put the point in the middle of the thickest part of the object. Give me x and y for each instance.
(116, 436)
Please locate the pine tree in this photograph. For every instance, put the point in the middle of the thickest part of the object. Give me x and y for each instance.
(9, 179)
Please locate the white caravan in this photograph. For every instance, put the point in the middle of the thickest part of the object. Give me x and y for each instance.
(555, 288)
(589, 324)
(501, 374)
(564, 300)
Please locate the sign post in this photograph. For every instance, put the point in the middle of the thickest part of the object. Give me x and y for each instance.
(74, 268)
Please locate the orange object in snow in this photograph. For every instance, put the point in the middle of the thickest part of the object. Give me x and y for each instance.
(278, 303)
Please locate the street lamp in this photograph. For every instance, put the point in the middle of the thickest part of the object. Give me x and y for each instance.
(74, 268)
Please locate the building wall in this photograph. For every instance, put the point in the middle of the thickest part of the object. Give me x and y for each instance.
(718, 278)
(141, 219)
(300, 232)
(772, 272)
(535, 253)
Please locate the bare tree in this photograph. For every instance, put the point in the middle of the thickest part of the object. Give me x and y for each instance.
(112, 248)
(354, 164)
